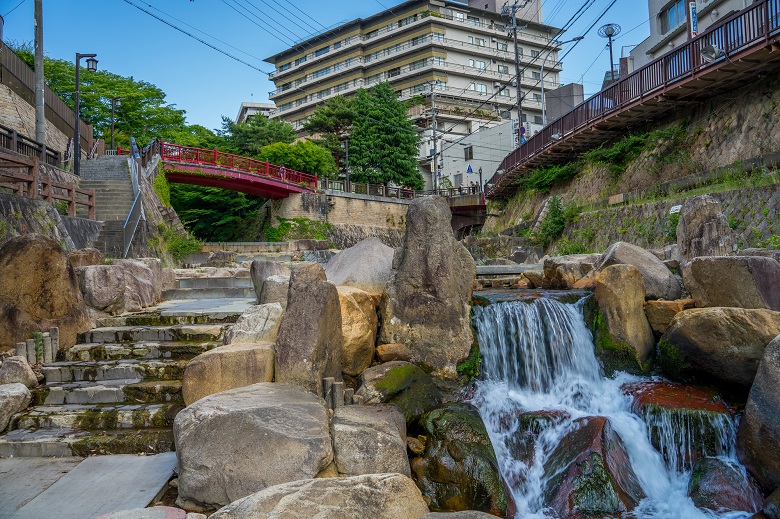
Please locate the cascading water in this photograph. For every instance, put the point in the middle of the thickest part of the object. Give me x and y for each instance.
(539, 375)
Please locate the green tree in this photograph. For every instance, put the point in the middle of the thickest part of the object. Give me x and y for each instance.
(330, 122)
(304, 156)
(383, 146)
(249, 138)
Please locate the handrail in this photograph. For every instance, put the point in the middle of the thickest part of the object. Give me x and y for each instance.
(12, 140)
(136, 213)
(734, 33)
(202, 157)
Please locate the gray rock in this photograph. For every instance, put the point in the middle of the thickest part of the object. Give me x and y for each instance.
(308, 345)
(767, 253)
(370, 439)
(703, 229)
(375, 496)
(16, 370)
(359, 322)
(722, 485)
(155, 265)
(238, 442)
(759, 431)
(14, 398)
(221, 258)
(734, 281)
(718, 344)
(103, 287)
(660, 283)
(275, 290)
(260, 271)
(140, 290)
(366, 266)
(428, 297)
(85, 257)
(258, 323)
(564, 271)
(464, 514)
(402, 384)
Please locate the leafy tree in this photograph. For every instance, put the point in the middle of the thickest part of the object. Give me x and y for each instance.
(303, 156)
(383, 146)
(249, 138)
(196, 136)
(330, 121)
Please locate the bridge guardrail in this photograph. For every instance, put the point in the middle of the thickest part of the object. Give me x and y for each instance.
(735, 33)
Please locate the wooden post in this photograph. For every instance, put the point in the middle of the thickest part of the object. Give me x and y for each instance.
(46, 189)
(71, 200)
(91, 199)
(35, 173)
(14, 141)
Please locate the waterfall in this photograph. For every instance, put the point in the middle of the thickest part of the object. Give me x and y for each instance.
(539, 375)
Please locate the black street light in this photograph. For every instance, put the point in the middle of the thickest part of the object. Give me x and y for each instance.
(481, 187)
(92, 67)
(118, 102)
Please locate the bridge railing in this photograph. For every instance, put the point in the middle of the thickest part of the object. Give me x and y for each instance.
(735, 33)
(198, 156)
(360, 188)
(136, 213)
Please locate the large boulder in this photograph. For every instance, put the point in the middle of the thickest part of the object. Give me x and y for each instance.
(622, 334)
(428, 297)
(258, 323)
(271, 281)
(14, 398)
(590, 472)
(459, 470)
(660, 283)
(737, 281)
(38, 290)
(103, 287)
(237, 365)
(308, 345)
(370, 439)
(565, 271)
(367, 266)
(359, 321)
(378, 496)
(759, 432)
(155, 265)
(238, 442)
(16, 370)
(140, 289)
(703, 229)
(660, 313)
(402, 384)
(85, 257)
(719, 485)
(771, 508)
(722, 345)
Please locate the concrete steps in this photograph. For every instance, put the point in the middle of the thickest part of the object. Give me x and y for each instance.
(141, 350)
(62, 442)
(101, 417)
(131, 391)
(101, 371)
(211, 288)
(135, 334)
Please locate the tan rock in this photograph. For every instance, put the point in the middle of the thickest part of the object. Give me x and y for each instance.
(258, 323)
(16, 370)
(168, 279)
(359, 321)
(535, 277)
(588, 281)
(391, 352)
(734, 281)
(660, 283)
(85, 257)
(660, 313)
(140, 290)
(228, 367)
(14, 398)
(703, 229)
(564, 271)
(103, 287)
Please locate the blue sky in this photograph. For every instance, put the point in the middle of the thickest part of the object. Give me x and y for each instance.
(208, 84)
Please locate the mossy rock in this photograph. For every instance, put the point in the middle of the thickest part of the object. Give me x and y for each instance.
(146, 441)
(614, 354)
(672, 360)
(459, 470)
(410, 389)
(593, 489)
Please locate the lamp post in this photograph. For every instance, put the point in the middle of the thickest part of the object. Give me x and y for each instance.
(118, 102)
(544, 104)
(92, 67)
(480, 180)
(609, 31)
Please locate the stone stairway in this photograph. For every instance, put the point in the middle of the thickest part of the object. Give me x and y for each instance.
(211, 288)
(110, 178)
(116, 392)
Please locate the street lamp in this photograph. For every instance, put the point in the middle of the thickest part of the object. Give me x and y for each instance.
(118, 102)
(609, 31)
(481, 187)
(544, 105)
(92, 67)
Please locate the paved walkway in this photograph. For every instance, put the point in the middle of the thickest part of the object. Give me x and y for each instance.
(216, 308)
(69, 488)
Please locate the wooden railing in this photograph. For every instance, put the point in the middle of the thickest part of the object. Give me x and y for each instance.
(23, 176)
(753, 25)
(10, 139)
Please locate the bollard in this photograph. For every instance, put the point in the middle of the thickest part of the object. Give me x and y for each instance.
(338, 394)
(21, 349)
(30, 351)
(48, 352)
(348, 395)
(327, 390)
(54, 333)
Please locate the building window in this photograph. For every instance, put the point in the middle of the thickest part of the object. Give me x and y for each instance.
(503, 46)
(458, 179)
(504, 91)
(422, 87)
(337, 45)
(437, 36)
(480, 88)
(673, 16)
(519, 51)
(300, 60)
(472, 20)
(320, 72)
(534, 53)
(468, 152)
(503, 69)
(438, 61)
(284, 67)
(419, 40)
(322, 51)
(538, 119)
(477, 63)
(375, 78)
(394, 72)
(347, 40)
(420, 63)
(536, 75)
(285, 106)
(457, 15)
(371, 34)
(538, 98)
(479, 42)
(407, 20)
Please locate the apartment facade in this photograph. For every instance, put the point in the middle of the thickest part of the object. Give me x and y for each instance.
(459, 57)
(249, 109)
(670, 25)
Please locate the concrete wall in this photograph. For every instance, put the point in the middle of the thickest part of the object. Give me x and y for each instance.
(489, 147)
(18, 114)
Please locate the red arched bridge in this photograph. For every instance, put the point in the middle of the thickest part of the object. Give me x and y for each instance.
(212, 168)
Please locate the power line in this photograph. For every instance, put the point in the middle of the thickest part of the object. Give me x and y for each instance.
(14, 8)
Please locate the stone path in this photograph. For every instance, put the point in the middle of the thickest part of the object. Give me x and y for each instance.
(63, 488)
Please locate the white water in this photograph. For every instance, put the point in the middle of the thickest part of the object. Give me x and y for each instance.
(540, 356)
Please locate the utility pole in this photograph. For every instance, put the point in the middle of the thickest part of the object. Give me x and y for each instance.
(40, 107)
(511, 11)
(435, 163)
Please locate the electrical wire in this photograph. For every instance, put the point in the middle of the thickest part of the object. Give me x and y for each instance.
(14, 8)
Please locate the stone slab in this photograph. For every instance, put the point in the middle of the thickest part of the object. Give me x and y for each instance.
(25, 478)
(503, 270)
(102, 484)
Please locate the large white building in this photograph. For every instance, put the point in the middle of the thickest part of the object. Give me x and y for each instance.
(458, 56)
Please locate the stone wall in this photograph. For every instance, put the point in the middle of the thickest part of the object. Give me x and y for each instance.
(19, 215)
(353, 217)
(18, 114)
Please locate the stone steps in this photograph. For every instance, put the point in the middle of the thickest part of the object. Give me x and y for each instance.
(208, 293)
(140, 350)
(178, 332)
(78, 371)
(217, 282)
(157, 319)
(132, 391)
(100, 417)
(72, 442)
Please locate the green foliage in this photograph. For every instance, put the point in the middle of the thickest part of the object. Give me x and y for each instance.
(543, 178)
(620, 154)
(38, 338)
(733, 223)
(297, 229)
(670, 230)
(178, 245)
(162, 188)
(469, 368)
(213, 214)
(304, 156)
(61, 206)
(566, 247)
(250, 137)
(554, 223)
(773, 242)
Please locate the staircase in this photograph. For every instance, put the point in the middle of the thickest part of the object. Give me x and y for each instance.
(211, 288)
(110, 178)
(118, 391)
